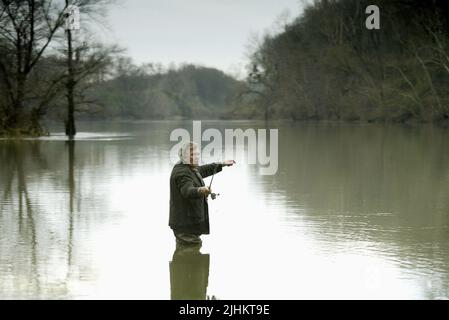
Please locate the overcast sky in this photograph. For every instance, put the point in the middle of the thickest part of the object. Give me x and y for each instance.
(209, 32)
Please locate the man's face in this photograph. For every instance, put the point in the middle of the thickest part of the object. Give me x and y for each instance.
(194, 156)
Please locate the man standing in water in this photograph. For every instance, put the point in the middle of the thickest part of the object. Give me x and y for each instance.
(189, 212)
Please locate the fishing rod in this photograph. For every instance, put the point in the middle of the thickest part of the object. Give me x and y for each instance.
(213, 195)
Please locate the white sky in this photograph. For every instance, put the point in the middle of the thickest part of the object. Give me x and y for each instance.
(213, 33)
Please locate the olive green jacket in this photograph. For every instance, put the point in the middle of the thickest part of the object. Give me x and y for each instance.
(189, 212)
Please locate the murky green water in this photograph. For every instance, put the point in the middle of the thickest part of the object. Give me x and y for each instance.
(353, 212)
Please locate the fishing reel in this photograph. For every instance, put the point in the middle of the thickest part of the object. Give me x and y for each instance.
(214, 195)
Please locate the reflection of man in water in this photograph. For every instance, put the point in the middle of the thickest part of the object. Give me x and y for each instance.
(189, 273)
(189, 212)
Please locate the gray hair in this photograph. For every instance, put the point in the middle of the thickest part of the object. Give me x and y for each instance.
(184, 151)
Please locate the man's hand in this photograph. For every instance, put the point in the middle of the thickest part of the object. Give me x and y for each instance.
(204, 191)
(228, 163)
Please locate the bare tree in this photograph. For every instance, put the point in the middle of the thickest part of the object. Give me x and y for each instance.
(27, 27)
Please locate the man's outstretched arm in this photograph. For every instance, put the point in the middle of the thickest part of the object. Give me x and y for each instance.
(208, 169)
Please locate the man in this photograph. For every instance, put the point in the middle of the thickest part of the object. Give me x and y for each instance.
(189, 212)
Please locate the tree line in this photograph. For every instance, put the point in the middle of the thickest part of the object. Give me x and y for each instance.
(152, 91)
(323, 65)
(326, 65)
(48, 71)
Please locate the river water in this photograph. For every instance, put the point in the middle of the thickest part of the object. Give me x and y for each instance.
(354, 211)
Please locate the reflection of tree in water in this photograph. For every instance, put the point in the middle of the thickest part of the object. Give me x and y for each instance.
(12, 159)
(189, 273)
(31, 238)
(71, 168)
(52, 196)
(387, 186)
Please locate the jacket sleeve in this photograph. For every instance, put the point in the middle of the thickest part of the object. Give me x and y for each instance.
(208, 169)
(186, 186)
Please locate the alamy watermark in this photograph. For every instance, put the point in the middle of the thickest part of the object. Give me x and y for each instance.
(72, 18)
(373, 20)
(216, 148)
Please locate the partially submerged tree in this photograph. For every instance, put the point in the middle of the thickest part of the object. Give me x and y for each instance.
(27, 31)
(26, 27)
(84, 57)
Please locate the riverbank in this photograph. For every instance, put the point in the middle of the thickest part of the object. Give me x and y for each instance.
(23, 133)
(56, 126)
